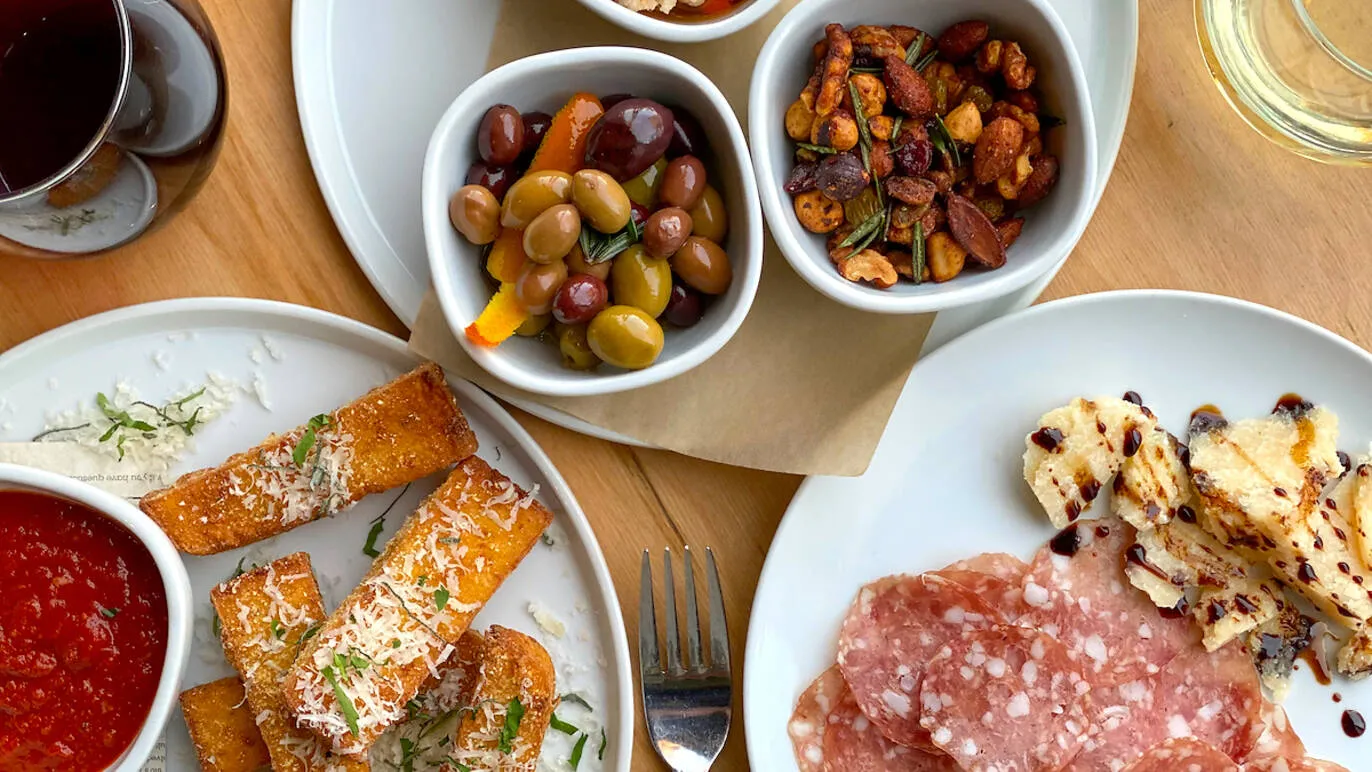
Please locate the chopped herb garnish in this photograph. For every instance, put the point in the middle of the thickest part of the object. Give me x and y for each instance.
(577, 750)
(345, 703)
(514, 713)
(576, 699)
(307, 439)
(369, 549)
(821, 149)
(459, 765)
(563, 726)
(278, 632)
(450, 540)
(109, 612)
(895, 128)
(358, 662)
(413, 708)
(925, 60)
(546, 539)
(310, 632)
(600, 754)
(395, 643)
(441, 598)
(407, 749)
(422, 579)
(917, 256)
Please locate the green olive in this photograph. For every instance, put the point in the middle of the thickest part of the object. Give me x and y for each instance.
(475, 214)
(640, 280)
(532, 194)
(576, 350)
(642, 189)
(625, 337)
(537, 285)
(703, 265)
(709, 218)
(576, 263)
(552, 234)
(535, 324)
(601, 200)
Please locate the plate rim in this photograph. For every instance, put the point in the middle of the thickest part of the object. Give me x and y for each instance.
(753, 721)
(623, 675)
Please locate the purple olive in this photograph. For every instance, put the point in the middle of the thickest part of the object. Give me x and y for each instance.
(631, 136)
(687, 136)
(610, 100)
(496, 179)
(500, 139)
(803, 178)
(685, 306)
(535, 126)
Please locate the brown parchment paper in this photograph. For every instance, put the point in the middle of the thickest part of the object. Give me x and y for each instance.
(805, 386)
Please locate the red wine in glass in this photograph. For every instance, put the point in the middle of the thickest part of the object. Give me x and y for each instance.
(111, 116)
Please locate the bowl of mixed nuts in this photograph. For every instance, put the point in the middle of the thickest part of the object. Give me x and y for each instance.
(916, 155)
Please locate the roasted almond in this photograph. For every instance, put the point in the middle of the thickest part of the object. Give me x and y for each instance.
(975, 232)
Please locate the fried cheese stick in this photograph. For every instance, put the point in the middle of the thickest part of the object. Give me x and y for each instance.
(222, 729)
(393, 435)
(414, 604)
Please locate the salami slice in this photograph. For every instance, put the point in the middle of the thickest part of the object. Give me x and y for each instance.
(808, 722)
(1278, 738)
(894, 627)
(1298, 764)
(854, 744)
(996, 577)
(1001, 565)
(1183, 754)
(1085, 601)
(1211, 697)
(1005, 698)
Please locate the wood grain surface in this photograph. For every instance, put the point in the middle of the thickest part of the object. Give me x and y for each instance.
(1198, 201)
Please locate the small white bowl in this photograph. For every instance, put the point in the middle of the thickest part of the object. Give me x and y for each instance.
(1052, 227)
(544, 82)
(683, 30)
(175, 583)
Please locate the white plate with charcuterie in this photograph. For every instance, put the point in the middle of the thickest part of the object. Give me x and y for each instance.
(384, 565)
(1044, 570)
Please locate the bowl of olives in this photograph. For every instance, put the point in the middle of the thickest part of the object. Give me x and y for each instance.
(592, 221)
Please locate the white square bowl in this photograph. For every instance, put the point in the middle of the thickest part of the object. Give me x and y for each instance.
(545, 82)
(1051, 228)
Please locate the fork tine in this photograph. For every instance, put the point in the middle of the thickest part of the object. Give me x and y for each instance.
(694, 659)
(719, 630)
(648, 660)
(669, 593)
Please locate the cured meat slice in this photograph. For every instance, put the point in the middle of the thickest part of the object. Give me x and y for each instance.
(1299, 764)
(996, 577)
(1213, 697)
(1278, 738)
(854, 744)
(1077, 592)
(1183, 754)
(894, 627)
(1005, 698)
(1001, 565)
(808, 722)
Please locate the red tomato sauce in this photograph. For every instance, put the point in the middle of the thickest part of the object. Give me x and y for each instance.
(705, 10)
(83, 635)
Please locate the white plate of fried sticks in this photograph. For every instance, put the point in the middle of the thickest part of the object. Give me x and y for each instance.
(218, 377)
(1107, 533)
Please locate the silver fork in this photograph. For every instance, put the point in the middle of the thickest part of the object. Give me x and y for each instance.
(688, 707)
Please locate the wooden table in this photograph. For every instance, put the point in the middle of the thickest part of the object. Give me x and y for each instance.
(1198, 201)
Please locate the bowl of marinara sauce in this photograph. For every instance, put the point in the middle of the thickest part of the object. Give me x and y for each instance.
(95, 626)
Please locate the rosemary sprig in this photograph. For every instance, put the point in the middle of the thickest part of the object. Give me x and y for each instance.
(917, 256)
(821, 149)
(945, 142)
(925, 60)
(599, 247)
(916, 45)
(869, 227)
(865, 141)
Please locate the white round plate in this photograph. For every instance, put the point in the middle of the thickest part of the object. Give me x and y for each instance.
(322, 361)
(367, 136)
(947, 480)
